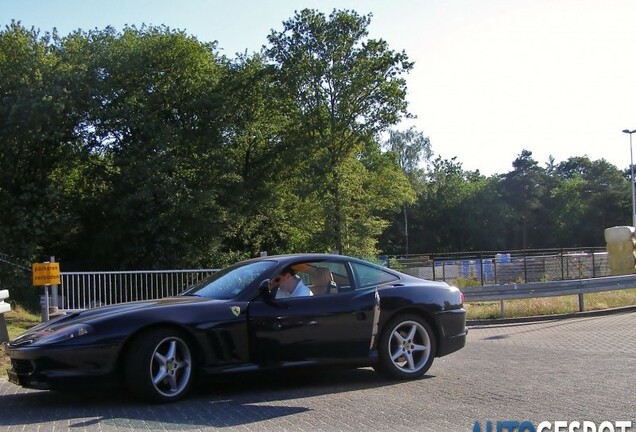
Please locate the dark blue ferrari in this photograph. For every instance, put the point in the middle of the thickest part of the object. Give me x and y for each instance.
(269, 312)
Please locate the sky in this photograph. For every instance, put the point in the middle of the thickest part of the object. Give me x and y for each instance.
(491, 77)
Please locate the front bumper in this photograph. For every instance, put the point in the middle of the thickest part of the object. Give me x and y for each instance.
(62, 367)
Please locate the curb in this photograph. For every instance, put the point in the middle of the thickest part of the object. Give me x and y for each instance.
(531, 319)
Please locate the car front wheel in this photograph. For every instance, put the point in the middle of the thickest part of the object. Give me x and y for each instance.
(406, 348)
(158, 367)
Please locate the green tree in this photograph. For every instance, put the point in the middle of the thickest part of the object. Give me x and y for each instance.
(491, 216)
(524, 188)
(342, 90)
(374, 185)
(567, 213)
(266, 214)
(412, 149)
(153, 125)
(590, 196)
(458, 211)
(35, 131)
(438, 217)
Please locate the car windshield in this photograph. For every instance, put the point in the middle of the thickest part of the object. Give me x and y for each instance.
(229, 282)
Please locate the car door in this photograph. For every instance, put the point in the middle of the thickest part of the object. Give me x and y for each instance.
(334, 326)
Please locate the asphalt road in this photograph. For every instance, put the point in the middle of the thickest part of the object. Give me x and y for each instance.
(580, 369)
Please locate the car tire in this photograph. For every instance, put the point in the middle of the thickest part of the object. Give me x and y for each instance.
(407, 347)
(159, 366)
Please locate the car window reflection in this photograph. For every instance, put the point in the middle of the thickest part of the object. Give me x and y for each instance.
(228, 283)
(369, 276)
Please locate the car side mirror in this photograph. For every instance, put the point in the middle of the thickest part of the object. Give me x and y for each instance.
(264, 291)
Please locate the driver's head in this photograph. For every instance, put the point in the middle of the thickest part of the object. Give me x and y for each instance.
(285, 280)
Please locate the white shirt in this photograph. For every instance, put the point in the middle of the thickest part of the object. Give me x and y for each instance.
(301, 290)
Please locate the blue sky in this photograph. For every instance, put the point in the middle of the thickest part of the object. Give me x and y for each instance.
(491, 77)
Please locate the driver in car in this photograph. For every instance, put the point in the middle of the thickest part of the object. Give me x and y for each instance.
(290, 285)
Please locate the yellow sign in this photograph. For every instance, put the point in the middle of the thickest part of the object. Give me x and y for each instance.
(46, 274)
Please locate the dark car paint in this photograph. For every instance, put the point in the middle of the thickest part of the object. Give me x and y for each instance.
(219, 335)
(313, 328)
(338, 328)
(452, 325)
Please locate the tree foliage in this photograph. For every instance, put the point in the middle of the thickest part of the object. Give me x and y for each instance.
(343, 91)
(564, 205)
(146, 148)
(36, 123)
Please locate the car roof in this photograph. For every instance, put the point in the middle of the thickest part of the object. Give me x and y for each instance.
(308, 256)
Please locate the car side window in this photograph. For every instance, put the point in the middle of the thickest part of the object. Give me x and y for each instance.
(324, 277)
(369, 276)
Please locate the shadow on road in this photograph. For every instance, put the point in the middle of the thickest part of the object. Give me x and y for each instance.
(239, 400)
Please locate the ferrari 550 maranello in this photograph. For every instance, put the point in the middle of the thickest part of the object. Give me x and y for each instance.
(269, 312)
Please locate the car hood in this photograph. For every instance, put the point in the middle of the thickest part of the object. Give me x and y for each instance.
(107, 313)
(126, 308)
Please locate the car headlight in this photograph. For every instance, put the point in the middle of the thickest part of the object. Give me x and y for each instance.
(63, 333)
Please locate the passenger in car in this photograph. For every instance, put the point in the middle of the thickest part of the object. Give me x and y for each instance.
(290, 285)
(323, 282)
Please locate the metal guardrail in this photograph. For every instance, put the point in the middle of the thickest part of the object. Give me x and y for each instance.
(548, 289)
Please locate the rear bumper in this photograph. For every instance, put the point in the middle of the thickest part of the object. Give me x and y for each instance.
(453, 331)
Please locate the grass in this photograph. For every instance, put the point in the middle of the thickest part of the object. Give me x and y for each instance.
(19, 320)
(551, 305)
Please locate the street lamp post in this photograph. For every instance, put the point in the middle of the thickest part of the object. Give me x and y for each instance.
(631, 164)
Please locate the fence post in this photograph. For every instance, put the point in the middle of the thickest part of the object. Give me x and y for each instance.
(433, 259)
(562, 269)
(4, 307)
(45, 304)
(54, 304)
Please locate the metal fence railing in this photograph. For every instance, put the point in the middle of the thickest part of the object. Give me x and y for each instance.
(85, 290)
(493, 268)
(81, 290)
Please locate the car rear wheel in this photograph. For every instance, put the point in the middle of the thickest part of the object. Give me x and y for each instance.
(406, 348)
(158, 366)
